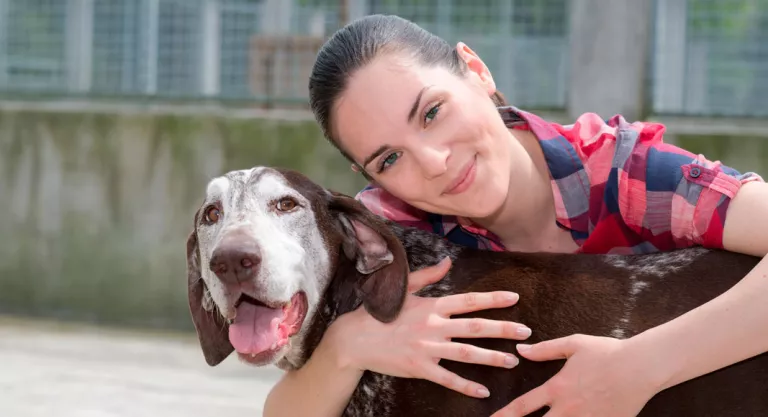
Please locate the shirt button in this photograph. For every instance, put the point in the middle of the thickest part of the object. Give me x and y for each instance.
(695, 172)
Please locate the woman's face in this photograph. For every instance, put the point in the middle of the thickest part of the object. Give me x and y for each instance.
(429, 137)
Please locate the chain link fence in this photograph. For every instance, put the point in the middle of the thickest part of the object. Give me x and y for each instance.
(709, 57)
(259, 51)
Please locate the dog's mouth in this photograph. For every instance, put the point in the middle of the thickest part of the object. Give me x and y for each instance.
(260, 330)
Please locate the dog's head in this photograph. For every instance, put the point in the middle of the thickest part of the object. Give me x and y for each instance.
(265, 246)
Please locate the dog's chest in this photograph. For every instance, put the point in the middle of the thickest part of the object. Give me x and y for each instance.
(374, 397)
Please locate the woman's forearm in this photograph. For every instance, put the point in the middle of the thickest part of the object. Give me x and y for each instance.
(724, 331)
(322, 387)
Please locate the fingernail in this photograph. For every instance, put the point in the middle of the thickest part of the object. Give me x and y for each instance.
(483, 392)
(512, 296)
(511, 361)
(523, 331)
(521, 347)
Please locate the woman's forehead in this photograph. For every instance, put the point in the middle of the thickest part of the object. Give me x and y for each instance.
(397, 80)
(379, 97)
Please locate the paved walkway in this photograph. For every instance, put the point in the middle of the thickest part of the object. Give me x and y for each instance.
(51, 369)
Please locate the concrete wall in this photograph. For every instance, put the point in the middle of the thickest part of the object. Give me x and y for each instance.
(95, 209)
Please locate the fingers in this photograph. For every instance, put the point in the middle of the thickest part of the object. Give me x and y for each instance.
(476, 327)
(525, 404)
(429, 275)
(461, 352)
(561, 348)
(450, 380)
(474, 301)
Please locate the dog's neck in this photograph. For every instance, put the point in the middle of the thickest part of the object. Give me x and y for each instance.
(422, 249)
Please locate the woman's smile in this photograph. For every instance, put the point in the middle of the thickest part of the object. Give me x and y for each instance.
(464, 179)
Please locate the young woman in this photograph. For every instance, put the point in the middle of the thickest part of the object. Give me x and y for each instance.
(423, 122)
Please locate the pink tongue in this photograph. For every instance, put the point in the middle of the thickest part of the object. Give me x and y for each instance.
(255, 329)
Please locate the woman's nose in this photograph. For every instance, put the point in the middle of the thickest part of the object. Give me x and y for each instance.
(433, 161)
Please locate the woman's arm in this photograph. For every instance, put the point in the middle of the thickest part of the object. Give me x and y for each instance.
(322, 387)
(706, 338)
(604, 376)
(409, 347)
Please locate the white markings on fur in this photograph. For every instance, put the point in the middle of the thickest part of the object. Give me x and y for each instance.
(294, 255)
(651, 265)
(656, 264)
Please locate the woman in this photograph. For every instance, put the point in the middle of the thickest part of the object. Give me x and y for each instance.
(420, 119)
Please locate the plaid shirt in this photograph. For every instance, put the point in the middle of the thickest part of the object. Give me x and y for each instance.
(618, 188)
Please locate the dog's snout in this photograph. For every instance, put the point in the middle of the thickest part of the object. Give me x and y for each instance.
(235, 258)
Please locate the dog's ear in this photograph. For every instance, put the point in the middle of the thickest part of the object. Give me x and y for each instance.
(378, 255)
(212, 330)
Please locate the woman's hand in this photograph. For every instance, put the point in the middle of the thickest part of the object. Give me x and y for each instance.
(601, 377)
(414, 343)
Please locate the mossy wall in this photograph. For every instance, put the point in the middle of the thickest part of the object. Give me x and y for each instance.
(95, 209)
(740, 152)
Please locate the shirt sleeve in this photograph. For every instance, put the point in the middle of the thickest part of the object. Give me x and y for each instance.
(671, 197)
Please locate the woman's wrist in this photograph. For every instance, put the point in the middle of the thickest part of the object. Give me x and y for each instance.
(335, 344)
(649, 365)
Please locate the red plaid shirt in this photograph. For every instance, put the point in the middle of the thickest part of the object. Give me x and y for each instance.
(618, 189)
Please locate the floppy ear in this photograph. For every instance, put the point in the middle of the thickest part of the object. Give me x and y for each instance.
(212, 330)
(378, 255)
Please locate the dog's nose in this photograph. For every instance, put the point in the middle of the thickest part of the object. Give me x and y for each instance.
(235, 258)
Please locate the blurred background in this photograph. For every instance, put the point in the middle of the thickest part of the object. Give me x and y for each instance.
(115, 113)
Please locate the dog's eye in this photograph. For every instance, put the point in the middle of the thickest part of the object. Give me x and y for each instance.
(212, 214)
(286, 204)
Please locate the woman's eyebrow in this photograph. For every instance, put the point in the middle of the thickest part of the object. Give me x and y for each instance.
(375, 154)
(417, 103)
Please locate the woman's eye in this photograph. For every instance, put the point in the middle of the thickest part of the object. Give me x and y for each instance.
(431, 114)
(388, 161)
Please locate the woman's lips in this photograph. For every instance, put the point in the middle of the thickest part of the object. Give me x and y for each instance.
(465, 178)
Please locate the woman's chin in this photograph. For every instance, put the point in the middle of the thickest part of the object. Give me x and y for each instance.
(480, 208)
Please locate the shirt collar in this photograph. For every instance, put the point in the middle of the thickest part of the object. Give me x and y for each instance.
(562, 161)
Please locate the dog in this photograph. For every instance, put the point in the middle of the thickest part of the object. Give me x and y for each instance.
(274, 258)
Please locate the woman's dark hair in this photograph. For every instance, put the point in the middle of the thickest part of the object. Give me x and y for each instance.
(357, 44)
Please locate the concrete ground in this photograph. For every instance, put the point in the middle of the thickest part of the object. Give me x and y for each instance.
(53, 369)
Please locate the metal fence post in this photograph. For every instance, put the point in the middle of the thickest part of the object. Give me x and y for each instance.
(357, 9)
(443, 21)
(210, 64)
(505, 80)
(4, 9)
(79, 45)
(669, 53)
(152, 16)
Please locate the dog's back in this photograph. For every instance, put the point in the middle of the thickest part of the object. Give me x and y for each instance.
(597, 295)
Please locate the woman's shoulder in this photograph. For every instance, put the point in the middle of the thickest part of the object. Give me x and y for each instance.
(595, 137)
(455, 229)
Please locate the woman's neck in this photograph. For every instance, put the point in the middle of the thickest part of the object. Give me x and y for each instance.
(528, 224)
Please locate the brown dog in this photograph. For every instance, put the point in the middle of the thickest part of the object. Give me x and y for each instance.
(274, 258)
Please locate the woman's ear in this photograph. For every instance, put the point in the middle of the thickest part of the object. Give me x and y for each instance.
(477, 67)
